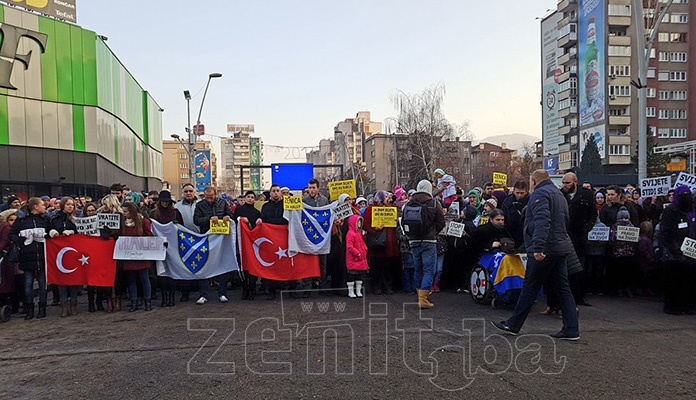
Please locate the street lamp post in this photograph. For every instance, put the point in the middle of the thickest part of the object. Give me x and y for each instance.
(193, 134)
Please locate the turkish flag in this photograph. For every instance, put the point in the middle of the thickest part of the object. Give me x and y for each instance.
(80, 260)
(265, 254)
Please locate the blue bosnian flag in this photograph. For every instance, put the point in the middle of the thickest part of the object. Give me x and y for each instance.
(309, 229)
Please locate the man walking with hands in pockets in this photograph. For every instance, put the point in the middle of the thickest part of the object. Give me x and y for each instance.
(548, 246)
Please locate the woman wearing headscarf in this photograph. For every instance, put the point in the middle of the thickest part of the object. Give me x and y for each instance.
(63, 223)
(164, 213)
(475, 201)
(678, 223)
(383, 262)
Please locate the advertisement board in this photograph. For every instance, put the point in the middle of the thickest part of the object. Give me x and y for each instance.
(255, 159)
(203, 174)
(549, 84)
(591, 61)
(63, 9)
(597, 133)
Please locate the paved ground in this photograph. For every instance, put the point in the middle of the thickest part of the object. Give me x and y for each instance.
(377, 349)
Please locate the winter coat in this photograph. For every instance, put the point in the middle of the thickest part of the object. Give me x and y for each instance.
(272, 213)
(608, 213)
(392, 249)
(167, 215)
(31, 256)
(646, 254)
(356, 249)
(247, 211)
(546, 220)
(205, 211)
(187, 210)
(319, 201)
(483, 237)
(582, 209)
(134, 265)
(433, 216)
(514, 217)
(671, 235)
(61, 222)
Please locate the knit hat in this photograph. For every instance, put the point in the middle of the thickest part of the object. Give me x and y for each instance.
(45, 198)
(248, 192)
(399, 192)
(440, 171)
(359, 199)
(493, 202)
(599, 194)
(285, 188)
(411, 191)
(424, 186)
(680, 189)
(623, 213)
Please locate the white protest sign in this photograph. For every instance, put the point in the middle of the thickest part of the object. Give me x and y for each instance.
(627, 233)
(655, 186)
(688, 247)
(599, 233)
(685, 179)
(87, 226)
(455, 229)
(109, 220)
(343, 211)
(452, 211)
(141, 248)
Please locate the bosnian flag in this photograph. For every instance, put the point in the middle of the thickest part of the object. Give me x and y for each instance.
(309, 229)
(80, 260)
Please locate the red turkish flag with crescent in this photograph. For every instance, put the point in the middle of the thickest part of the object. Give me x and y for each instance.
(264, 253)
(80, 260)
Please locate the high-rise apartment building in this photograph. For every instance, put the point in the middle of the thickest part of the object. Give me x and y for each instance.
(349, 136)
(175, 164)
(241, 149)
(589, 59)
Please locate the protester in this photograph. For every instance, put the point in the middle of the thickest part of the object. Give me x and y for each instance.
(356, 256)
(316, 199)
(513, 207)
(90, 210)
(165, 212)
(272, 213)
(112, 205)
(136, 270)
(63, 223)
(11, 278)
(383, 260)
(246, 213)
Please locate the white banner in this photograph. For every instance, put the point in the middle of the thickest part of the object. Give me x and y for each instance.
(455, 229)
(688, 247)
(600, 233)
(109, 220)
(685, 179)
(152, 248)
(655, 186)
(88, 226)
(343, 211)
(192, 256)
(627, 233)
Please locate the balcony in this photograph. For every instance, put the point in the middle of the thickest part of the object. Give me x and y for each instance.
(568, 40)
(567, 111)
(566, 5)
(619, 100)
(620, 120)
(619, 20)
(564, 130)
(619, 40)
(565, 76)
(565, 21)
(571, 56)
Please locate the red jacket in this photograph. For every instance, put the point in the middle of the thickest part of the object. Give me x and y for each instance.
(134, 265)
(356, 249)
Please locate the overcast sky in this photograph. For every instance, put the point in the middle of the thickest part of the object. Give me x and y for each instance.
(296, 68)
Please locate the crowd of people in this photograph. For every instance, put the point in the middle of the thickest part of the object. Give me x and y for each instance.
(413, 257)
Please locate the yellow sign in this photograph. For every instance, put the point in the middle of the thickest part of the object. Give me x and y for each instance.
(499, 178)
(219, 228)
(292, 203)
(384, 216)
(339, 187)
(483, 220)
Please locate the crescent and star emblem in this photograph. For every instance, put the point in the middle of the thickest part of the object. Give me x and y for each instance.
(257, 245)
(59, 260)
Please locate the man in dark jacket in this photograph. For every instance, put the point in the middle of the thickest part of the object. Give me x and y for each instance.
(513, 207)
(424, 247)
(582, 209)
(272, 213)
(548, 247)
(212, 209)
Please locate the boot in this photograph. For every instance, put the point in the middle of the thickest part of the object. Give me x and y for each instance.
(117, 304)
(252, 291)
(64, 310)
(435, 286)
(30, 312)
(165, 299)
(351, 290)
(148, 304)
(133, 306)
(271, 294)
(90, 298)
(109, 305)
(42, 310)
(423, 302)
(172, 301)
(73, 308)
(245, 291)
(358, 288)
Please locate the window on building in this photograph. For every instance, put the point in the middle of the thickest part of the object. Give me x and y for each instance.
(619, 131)
(619, 10)
(679, 95)
(663, 36)
(663, 133)
(183, 166)
(677, 133)
(679, 37)
(679, 18)
(663, 56)
(652, 51)
(678, 114)
(664, 114)
(651, 92)
(619, 51)
(618, 111)
(651, 72)
(677, 76)
(620, 70)
(619, 150)
(664, 95)
(663, 76)
(183, 156)
(184, 176)
(650, 112)
(620, 90)
(679, 56)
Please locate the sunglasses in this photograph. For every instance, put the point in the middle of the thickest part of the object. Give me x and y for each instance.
(188, 191)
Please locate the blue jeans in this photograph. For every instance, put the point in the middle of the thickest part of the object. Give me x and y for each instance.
(554, 268)
(222, 287)
(68, 291)
(144, 276)
(425, 262)
(438, 268)
(29, 276)
(407, 275)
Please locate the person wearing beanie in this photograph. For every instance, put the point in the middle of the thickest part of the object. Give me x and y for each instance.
(489, 205)
(623, 264)
(424, 243)
(384, 262)
(13, 203)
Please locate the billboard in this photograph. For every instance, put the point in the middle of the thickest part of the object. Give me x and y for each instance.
(203, 173)
(549, 84)
(234, 128)
(63, 9)
(294, 176)
(551, 165)
(597, 133)
(255, 159)
(591, 61)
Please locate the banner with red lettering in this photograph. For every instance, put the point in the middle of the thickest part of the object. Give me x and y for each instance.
(264, 253)
(80, 260)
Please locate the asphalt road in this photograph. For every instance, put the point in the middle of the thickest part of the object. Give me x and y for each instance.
(348, 348)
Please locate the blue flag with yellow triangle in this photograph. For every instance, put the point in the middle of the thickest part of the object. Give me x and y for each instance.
(309, 229)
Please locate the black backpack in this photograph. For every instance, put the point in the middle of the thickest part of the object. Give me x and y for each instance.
(414, 220)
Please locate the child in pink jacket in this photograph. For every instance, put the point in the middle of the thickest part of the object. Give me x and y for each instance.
(356, 256)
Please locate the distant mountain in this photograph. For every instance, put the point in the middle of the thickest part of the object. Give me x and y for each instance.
(512, 141)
